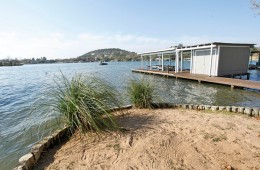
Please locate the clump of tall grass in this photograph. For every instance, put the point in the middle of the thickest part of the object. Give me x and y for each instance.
(141, 93)
(86, 102)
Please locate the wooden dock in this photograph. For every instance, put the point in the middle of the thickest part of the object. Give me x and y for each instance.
(204, 78)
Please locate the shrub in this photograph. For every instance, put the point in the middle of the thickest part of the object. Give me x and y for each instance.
(140, 93)
(86, 103)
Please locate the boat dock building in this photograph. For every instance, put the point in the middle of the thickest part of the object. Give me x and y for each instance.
(210, 62)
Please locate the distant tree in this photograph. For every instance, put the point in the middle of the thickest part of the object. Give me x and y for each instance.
(180, 45)
(254, 49)
(256, 6)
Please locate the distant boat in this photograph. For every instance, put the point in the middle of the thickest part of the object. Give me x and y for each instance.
(102, 63)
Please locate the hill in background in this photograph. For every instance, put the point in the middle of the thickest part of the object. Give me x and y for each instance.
(109, 54)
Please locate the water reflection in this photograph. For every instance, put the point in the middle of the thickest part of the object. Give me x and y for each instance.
(21, 86)
(192, 92)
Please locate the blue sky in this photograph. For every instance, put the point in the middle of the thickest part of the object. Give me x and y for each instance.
(66, 28)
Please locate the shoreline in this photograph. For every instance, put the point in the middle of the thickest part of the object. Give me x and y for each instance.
(29, 160)
(164, 139)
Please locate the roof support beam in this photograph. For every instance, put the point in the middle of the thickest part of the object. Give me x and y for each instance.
(191, 60)
(177, 62)
(162, 62)
(150, 62)
(142, 60)
(181, 60)
(211, 53)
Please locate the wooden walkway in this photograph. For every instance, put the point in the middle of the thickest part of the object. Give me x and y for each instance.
(204, 78)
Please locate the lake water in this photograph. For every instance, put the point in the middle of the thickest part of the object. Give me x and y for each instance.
(21, 86)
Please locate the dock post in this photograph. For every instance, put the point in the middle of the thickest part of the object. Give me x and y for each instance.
(232, 87)
(258, 63)
(162, 62)
(142, 59)
(191, 60)
(150, 62)
(177, 61)
(248, 76)
(181, 60)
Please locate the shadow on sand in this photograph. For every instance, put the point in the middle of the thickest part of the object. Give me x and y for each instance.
(128, 122)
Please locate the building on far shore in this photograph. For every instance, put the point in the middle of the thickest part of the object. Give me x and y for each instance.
(212, 59)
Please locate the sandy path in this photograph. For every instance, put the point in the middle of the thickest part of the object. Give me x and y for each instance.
(165, 139)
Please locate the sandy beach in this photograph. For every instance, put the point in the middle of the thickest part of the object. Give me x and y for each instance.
(164, 139)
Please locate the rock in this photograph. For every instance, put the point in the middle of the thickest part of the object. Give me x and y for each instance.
(207, 107)
(255, 111)
(21, 167)
(185, 106)
(171, 105)
(191, 106)
(201, 107)
(179, 105)
(214, 108)
(229, 167)
(45, 142)
(56, 136)
(229, 108)
(234, 109)
(28, 159)
(248, 111)
(222, 108)
(241, 109)
(127, 107)
(37, 150)
(195, 107)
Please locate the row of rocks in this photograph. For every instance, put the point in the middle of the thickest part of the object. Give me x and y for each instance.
(244, 110)
(27, 161)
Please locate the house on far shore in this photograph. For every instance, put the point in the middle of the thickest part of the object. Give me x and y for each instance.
(212, 59)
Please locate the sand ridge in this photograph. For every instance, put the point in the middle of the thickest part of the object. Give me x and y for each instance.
(164, 139)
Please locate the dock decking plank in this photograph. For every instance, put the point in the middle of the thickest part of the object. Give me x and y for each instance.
(204, 78)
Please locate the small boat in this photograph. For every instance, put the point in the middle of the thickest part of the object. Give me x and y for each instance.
(102, 63)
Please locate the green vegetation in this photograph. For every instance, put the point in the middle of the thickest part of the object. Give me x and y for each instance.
(116, 147)
(141, 93)
(219, 138)
(109, 54)
(10, 62)
(215, 138)
(86, 103)
(255, 5)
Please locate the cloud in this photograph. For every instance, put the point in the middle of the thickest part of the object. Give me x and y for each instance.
(58, 45)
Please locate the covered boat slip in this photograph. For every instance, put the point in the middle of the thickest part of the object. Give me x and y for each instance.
(208, 63)
(253, 66)
(212, 59)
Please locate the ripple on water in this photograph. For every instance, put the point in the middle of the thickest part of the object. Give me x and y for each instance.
(21, 86)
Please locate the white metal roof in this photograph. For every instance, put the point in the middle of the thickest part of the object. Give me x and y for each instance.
(199, 46)
(167, 50)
